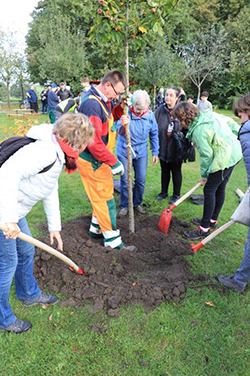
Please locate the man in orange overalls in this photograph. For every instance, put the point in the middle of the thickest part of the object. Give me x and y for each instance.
(97, 164)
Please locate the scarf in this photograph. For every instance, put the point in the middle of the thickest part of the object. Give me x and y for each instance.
(70, 156)
(135, 113)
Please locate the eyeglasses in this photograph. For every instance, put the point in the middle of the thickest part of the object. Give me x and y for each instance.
(116, 93)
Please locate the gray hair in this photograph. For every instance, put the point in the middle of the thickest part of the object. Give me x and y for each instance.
(140, 98)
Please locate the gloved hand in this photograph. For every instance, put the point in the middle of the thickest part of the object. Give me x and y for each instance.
(117, 169)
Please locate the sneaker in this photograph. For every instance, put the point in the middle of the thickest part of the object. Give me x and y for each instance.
(130, 248)
(18, 327)
(140, 210)
(198, 233)
(41, 299)
(123, 212)
(162, 196)
(230, 283)
(213, 225)
(173, 199)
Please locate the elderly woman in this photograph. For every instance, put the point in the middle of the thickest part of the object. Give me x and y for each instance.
(24, 181)
(215, 137)
(142, 125)
(169, 157)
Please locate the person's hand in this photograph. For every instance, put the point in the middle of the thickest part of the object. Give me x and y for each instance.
(117, 169)
(155, 160)
(125, 119)
(12, 230)
(56, 235)
(126, 100)
(202, 181)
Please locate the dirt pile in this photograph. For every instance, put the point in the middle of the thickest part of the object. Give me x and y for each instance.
(157, 272)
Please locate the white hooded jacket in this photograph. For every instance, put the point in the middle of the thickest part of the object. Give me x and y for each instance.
(21, 185)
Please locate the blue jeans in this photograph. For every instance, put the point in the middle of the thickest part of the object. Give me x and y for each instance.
(242, 275)
(140, 168)
(16, 259)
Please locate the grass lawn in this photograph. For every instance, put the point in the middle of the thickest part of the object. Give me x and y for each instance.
(189, 338)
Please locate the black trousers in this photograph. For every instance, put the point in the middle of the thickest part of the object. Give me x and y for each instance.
(34, 107)
(168, 168)
(214, 195)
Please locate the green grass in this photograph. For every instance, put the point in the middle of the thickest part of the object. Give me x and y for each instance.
(185, 339)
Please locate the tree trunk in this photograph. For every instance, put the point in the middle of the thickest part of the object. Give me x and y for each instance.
(199, 94)
(8, 94)
(154, 104)
(129, 153)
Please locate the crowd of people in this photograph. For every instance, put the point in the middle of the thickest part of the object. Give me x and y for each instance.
(83, 135)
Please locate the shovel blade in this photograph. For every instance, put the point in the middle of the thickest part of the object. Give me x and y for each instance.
(165, 220)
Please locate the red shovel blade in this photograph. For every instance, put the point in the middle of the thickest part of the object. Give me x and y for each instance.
(195, 247)
(165, 220)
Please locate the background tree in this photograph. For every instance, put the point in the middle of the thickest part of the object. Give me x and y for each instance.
(204, 56)
(10, 59)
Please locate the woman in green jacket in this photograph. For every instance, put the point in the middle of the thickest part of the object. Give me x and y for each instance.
(215, 137)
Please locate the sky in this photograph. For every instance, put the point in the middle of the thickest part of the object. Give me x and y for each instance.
(15, 16)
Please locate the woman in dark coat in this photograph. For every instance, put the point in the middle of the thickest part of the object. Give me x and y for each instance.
(169, 155)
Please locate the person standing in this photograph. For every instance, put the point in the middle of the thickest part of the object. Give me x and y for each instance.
(53, 101)
(44, 100)
(97, 164)
(159, 99)
(204, 104)
(142, 124)
(64, 93)
(170, 160)
(215, 137)
(32, 97)
(22, 184)
(86, 86)
(241, 277)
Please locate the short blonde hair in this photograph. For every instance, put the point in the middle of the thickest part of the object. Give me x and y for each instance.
(75, 129)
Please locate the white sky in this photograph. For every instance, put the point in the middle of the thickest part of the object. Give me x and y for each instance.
(15, 16)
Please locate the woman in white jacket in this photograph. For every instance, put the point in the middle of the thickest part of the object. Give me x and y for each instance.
(22, 185)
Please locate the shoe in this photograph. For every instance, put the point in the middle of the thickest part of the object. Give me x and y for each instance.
(213, 225)
(18, 327)
(41, 299)
(123, 212)
(230, 283)
(162, 196)
(196, 234)
(140, 210)
(130, 248)
(173, 199)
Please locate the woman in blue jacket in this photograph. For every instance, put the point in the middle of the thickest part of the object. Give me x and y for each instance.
(142, 124)
(241, 277)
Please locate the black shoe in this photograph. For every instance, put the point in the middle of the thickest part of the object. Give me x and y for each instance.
(230, 283)
(196, 234)
(18, 327)
(212, 225)
(173, 199)
(162, 196)
(41, 299)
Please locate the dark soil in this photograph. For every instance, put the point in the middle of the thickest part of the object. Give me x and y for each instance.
(157, 273)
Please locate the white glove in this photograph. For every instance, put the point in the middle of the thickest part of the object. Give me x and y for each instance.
(117, 169)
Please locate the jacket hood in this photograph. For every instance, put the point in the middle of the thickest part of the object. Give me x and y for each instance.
(41, 132)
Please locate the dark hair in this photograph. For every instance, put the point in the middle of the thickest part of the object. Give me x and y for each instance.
(190, 96)
(114, 77)
(205, 94)
(176, 89)
(186, 113)
(242, 105)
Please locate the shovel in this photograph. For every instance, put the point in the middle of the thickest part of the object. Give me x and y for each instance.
(240, 215)
(37, 243)
(166, 214)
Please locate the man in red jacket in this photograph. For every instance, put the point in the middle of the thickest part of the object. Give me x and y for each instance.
(97, 164)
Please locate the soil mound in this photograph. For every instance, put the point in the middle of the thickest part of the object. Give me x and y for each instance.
(157, 273)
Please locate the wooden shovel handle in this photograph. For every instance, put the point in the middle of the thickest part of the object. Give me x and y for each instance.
(186, 195)
(45, 247)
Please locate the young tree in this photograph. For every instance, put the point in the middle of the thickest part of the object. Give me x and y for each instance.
(127, 23)
(204, 56)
